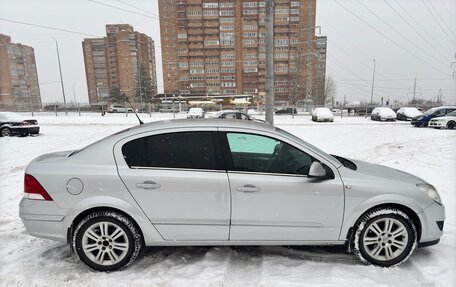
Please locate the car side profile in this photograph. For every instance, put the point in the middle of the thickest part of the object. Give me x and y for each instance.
(218, 182)
(232, 114)
(407, 113)
(15, 124)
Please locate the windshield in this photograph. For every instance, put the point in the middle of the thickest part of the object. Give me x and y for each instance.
(431, 111)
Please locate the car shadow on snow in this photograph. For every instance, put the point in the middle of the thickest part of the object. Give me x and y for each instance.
(248, 254)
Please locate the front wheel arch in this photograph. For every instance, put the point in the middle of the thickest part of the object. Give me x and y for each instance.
(408, 211)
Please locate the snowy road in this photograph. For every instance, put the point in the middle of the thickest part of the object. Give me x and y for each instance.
(427, 153)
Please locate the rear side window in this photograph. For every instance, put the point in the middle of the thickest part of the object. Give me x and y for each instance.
(194, 150)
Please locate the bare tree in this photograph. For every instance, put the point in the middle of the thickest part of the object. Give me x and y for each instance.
(330, 89)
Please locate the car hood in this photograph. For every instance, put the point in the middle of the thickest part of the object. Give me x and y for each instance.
(387, 173)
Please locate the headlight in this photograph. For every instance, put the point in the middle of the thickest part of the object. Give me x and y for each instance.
(430, 191)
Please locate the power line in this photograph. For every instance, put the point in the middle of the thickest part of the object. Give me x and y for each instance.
(123, 9)
(438, 23)
(48, 27)
(402, 35)
(389, 39)
(441, 19)
(137, 8)
(421, 27)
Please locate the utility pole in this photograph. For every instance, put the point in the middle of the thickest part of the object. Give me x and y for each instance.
(61, 77)
(414, 90)
(139, 78)
(310, 52)
(74, 96)
(269, 44)
(373, 80)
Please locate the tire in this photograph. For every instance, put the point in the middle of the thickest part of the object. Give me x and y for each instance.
(112, 248)
(5, 132)
(385, 237)
(451, 125)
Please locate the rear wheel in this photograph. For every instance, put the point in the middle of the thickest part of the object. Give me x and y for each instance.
(385, 237)
(107, 241)
(5, 132)
(451, 125)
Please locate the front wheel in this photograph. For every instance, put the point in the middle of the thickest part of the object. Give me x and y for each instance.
(5, 132)
(107, 241)
(385, 237)
(451, 125)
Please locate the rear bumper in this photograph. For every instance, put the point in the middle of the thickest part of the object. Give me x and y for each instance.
(20, 130)
(43, 219)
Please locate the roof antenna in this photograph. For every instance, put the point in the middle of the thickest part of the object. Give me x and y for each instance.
(128, 101)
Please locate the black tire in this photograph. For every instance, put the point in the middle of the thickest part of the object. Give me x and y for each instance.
(364, 232)
(132, 238)
(451, 125)
(5, 132)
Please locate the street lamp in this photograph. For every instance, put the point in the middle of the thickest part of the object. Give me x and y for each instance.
(61, 77)
(373, 80)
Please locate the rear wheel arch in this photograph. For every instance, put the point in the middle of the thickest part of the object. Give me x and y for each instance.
(86, 212)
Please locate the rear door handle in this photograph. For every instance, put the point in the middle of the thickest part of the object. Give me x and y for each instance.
(248, 188)
(148, 185)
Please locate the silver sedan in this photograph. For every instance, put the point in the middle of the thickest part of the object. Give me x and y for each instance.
(221, 182)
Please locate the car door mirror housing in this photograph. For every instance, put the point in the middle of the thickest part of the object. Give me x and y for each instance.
(319, 170)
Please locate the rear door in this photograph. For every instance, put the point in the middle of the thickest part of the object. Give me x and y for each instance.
(179, 180)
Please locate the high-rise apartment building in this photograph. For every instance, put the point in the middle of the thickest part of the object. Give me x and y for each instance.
(115, 61)
(218, 47)
(321, 44)
(19, 87)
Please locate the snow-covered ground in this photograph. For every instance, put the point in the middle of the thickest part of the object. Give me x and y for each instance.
(427, 153)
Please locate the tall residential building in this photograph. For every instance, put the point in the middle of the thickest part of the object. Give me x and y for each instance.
(19, 87)
(321, 44)
(217, 47)
(112, 62)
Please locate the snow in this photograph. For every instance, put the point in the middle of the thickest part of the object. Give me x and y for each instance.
(425, 152)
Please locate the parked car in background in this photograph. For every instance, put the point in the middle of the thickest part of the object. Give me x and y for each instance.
(448, 121)
(218, 182)
(16, 124)
(423, 120)
(232, 114)
(407, 113)
(195, 113)
(119, 109)
(168, 110)
(322, 115)
(286, 111)
(383, 114)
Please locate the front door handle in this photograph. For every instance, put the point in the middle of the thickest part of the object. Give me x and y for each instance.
(248, 188)
(148, 185)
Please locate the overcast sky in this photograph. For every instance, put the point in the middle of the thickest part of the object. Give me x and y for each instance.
(401, 53)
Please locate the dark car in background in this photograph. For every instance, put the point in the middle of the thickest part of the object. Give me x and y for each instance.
(16, 124)
(423, 120)
(286, 111)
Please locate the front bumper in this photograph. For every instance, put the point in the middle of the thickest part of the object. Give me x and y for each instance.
(436, 124)
(23, 130)
(43, 219)
(432, 220)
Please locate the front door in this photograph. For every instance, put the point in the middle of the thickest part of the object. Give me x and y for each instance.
(179, 181)
(272, 197)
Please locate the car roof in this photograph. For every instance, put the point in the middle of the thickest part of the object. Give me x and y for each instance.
(197, 123)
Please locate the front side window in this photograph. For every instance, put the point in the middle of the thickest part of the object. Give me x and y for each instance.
(194, 150)
(255, 153)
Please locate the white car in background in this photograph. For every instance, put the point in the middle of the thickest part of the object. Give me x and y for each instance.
(195, 113)
(407, 113)
(119, 109)
(383, 114)
(322, 115)
(448, 121)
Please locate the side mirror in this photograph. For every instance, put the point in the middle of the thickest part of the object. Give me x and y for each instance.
(317, 170)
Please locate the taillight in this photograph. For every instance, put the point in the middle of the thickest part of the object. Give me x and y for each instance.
(34, 190)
